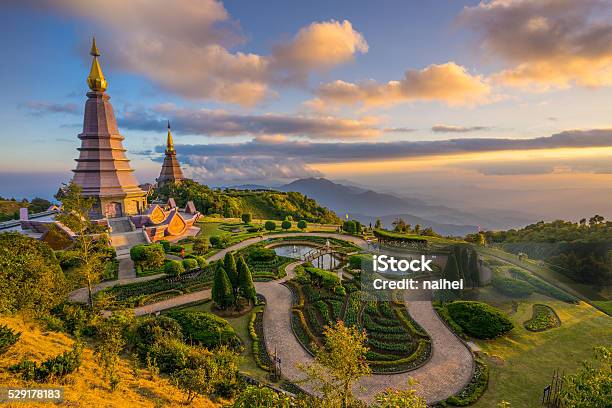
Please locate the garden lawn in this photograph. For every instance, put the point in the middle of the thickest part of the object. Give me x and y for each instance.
(522, 362)
(241, 326)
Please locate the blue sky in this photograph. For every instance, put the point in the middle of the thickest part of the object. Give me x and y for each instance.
(279, 73)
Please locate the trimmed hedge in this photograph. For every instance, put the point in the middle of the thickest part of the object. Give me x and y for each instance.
(205, 329)
(512, 287)
(174, 268)
(190, 263)
(479, 319)
(262, 359)
(8, 338)
(543, 287)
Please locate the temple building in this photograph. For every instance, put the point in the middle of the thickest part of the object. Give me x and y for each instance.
(103, 170)
(171, 169)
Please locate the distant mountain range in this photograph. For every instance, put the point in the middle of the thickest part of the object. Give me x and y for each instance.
(367, 206)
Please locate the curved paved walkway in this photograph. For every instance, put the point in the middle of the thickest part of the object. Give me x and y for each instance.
(445, 374)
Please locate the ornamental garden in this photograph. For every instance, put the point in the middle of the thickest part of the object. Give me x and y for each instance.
(196, 307)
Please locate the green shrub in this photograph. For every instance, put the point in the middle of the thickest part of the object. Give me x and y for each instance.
(176, 248)
(174, 268)
(51, 369)
(246, 218)
(189, 264)
(68, 259)
(286, 225)
(165, 244)
(512, 287)
(262, 254)
(270, 225)
(202, 262)
(254, 229)
(170, 354)
(8, 338)
(76, 318)
(360, 261)
(302, 224)
(323, 278)
(152, 329)
(219, 241)
(479, 319)
(148, 256)
(205, 329)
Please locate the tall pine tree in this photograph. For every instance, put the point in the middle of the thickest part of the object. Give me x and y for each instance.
(245, 281)
(222, 292)
(229, 264)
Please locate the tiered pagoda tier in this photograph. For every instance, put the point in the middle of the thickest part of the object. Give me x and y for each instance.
(171, 169)
(103, 170)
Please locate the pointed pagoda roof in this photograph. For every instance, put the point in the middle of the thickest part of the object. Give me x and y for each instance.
(96, 80)
(171, 171)
(103, 170)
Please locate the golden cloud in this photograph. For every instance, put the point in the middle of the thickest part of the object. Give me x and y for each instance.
(449, 83)
(551, 43)
(186, 47)
(320, 45)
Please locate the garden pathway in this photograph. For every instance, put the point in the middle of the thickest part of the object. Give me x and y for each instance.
(446, 373)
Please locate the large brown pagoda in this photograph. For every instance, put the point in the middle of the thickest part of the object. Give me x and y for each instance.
(103, 171)
(171, 169)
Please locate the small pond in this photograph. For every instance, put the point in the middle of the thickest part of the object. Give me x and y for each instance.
(298, 252)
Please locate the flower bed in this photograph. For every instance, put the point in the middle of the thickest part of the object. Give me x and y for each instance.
(543, 318)
(262, 359)
(132, 294)
(396, 342)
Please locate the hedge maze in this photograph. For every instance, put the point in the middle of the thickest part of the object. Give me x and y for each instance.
(396, 342)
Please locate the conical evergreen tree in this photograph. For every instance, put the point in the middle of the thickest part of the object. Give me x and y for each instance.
(245, 281)
(222, 293)
(451, 273)
(229, 264)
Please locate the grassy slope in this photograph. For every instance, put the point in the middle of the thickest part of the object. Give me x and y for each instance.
(87, 388)
(521, 363)
(8, 207)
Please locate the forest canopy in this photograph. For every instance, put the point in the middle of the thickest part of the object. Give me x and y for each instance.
(261, 204)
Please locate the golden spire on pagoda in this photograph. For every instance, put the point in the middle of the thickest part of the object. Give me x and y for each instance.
(96, 80)
(169, 142)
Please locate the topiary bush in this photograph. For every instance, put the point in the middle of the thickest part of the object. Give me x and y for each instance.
(479, 319)
(148, 256)
(174, 268)
(165, 244)
(205, 329)
(512, 287)
(189, 264)
(270, 225)
(262, 254)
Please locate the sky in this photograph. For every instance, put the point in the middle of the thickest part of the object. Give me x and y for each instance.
(501, 104)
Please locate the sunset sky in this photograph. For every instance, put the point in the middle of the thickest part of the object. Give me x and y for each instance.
(503, 103)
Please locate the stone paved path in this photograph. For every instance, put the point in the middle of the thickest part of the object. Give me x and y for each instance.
(446, 373)
(126, 268)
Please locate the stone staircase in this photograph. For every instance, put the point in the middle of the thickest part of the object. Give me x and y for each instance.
(120, 225)
(124, 241)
